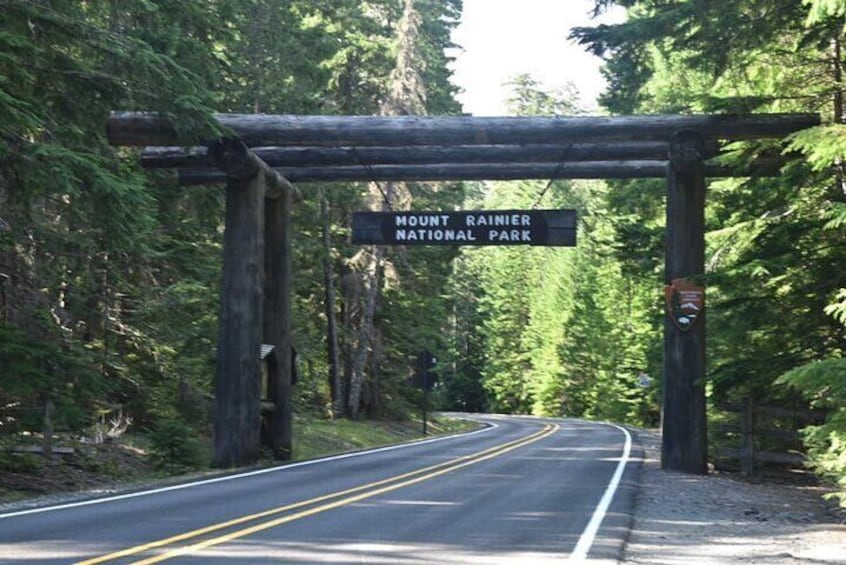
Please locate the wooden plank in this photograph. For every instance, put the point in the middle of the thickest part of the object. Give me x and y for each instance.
(784, 434)
(197, 157)
(485, 171)
(49, 410)
(277, 322)
(684, 445)
(42, 451)
(777, 411)
(747, 434)
(143, 129)
(763, 456)
(479, 171)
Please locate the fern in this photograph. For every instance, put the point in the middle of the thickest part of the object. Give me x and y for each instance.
(823, 146)
(823, 383)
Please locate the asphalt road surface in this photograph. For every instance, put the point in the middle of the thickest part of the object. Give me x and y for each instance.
(524, 490)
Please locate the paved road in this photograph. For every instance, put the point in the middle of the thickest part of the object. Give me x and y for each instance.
(524, 490)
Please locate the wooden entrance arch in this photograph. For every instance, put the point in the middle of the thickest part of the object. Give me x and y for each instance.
(266, 154)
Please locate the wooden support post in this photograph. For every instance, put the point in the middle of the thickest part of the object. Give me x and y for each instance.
(747, 430)
(277, 320)
(47, 444)
(683, 420)
(237, 379)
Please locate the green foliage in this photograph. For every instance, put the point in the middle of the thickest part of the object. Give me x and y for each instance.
(820, 10)
(35, 370)
(774, 246)
(174, 447)
(319, 437)
(837, 309)
(823, 146)
(13, 462)
(110, 276)
(823, 383)
(551, 331)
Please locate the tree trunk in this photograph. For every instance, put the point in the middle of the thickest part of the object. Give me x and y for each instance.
(373, 398)
(335, 385)
(365, 333)
(351, 310)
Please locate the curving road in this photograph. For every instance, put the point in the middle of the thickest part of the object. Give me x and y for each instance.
(523, 490)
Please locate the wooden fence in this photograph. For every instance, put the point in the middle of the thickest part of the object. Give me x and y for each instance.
(762, 435)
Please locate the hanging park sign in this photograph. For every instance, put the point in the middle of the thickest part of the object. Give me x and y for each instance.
(499, 227)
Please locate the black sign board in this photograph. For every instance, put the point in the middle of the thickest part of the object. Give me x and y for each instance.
(487, 227)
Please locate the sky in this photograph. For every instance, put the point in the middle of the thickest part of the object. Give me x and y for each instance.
(503, 38)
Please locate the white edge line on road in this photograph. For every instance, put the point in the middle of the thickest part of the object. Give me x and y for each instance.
(490, 426)
(588, 536)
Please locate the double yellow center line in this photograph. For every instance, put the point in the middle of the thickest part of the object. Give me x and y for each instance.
(284, 514)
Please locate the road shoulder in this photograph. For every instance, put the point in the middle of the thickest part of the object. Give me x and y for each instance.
(720, 519)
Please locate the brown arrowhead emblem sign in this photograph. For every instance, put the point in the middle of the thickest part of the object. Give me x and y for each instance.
(685, 302)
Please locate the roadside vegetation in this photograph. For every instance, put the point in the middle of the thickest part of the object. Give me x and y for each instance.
(175, 453)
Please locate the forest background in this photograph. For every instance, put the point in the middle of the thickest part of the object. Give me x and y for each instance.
(109, 275)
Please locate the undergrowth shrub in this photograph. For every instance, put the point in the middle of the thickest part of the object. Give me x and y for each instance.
(823, 383)
(174, 447)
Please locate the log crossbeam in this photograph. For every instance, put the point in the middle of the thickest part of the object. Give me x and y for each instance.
(434, 148)
(315, 156)
(261, 130)
(483, 171)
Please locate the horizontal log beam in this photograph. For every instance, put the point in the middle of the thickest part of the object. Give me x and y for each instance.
(765, 456)
(178, 157)
(478, 171)
(256, 130)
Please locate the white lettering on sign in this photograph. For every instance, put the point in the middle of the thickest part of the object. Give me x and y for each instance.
(498, 220)
(510, 235)
(422, 220)
(434, 235)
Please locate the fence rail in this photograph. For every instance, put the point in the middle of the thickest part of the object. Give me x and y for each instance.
(773, 424)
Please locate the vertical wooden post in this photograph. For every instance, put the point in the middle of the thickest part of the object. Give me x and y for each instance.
(277, 319)
(237, 418)
(47, 444)
(747, 430)
(683, 418)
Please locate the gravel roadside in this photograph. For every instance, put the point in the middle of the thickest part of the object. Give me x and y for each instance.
(720, 519)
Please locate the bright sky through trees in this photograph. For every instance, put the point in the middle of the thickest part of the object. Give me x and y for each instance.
(503, 38)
